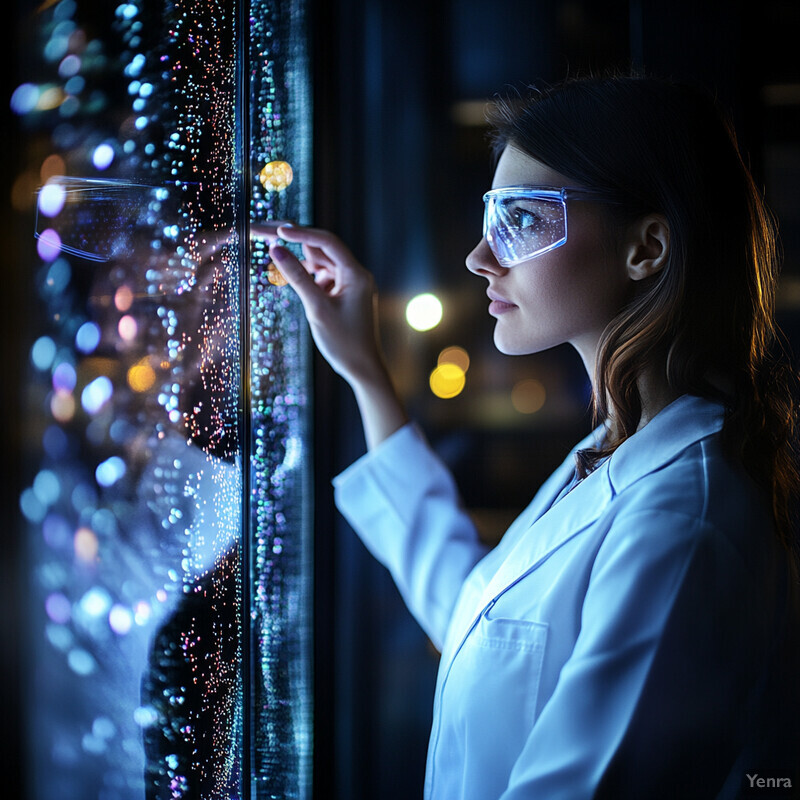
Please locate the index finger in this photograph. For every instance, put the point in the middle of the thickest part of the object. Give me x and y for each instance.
(328, 242)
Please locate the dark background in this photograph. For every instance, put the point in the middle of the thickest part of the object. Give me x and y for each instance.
(401, 162)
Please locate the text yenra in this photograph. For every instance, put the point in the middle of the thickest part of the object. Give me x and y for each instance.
(769, 783)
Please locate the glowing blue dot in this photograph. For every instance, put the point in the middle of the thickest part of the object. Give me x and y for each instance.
(129, 10)
(141, 123)
(58, 276)
(24, 98)
(64, 377)
(56, 531)
(96, 602)
(145, 716)
(120, 619)
(146, 90)
(134, 86)
(69, 66)
(172, 231)
(47, 487)
(103, 156)
(96, 394)
(75, 85)
(135, 67)
(110, 471)
(51, 199)
(88, 337)
(103, 728)
(43, 352)
(81, 662)
(31, 506)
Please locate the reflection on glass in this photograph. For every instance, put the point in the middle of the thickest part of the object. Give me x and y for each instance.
(280, 516)
(142, 559)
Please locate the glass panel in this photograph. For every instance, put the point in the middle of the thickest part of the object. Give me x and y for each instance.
(169, 586)
(280, 513)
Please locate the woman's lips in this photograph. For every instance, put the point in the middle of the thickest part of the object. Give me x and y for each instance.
(499, 304)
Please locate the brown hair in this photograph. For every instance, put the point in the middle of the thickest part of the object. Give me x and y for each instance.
(708, 315)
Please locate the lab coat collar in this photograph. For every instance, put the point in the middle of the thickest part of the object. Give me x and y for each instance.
(677, 426)
(553, 521)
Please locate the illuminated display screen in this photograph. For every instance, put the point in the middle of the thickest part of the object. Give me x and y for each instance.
(167, 406)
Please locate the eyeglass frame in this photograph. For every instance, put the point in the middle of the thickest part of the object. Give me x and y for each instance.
(560, 193)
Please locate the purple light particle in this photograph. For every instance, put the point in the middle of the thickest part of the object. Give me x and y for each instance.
(64, 377)
(58, 608)
(49, 245)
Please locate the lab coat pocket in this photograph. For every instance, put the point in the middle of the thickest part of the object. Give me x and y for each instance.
(494, 685)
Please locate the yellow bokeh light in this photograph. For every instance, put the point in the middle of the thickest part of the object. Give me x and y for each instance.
(86, 545)
(424, 311)
(455, 355)
(528, 396)
(276, 176)
(50, 98)
(274, 276)
(447, 380)
(52, 166)
(141, 376)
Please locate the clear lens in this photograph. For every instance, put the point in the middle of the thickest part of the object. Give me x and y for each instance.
(519, 226)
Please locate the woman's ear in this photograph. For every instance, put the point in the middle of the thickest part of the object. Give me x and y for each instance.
(648, 247)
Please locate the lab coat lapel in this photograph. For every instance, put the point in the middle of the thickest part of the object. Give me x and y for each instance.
(552, 528)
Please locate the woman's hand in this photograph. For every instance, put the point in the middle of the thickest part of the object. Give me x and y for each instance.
(340, 299)
(338, 296)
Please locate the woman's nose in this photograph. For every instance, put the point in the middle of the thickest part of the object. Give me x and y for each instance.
(481, 260)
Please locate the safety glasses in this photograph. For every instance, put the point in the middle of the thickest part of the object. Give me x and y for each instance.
(521, 222)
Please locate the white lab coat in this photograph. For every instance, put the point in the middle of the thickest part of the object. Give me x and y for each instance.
(619, 642)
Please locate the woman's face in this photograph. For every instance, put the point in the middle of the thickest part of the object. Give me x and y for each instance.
(566, 295)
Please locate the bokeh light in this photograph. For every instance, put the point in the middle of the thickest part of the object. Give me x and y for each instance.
(528, 396)
(102, 156)
(447, 380)
(424, 311)
(123, 298)
(276, 176)
(96, 394)
(141, 376)
(48, 245)
(454, 355)
(51, 199)
(127, 328)
(86, 545)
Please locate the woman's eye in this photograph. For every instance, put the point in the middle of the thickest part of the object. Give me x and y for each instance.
(524, 218)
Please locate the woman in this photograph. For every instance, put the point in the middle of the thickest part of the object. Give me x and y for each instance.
(633, 633)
